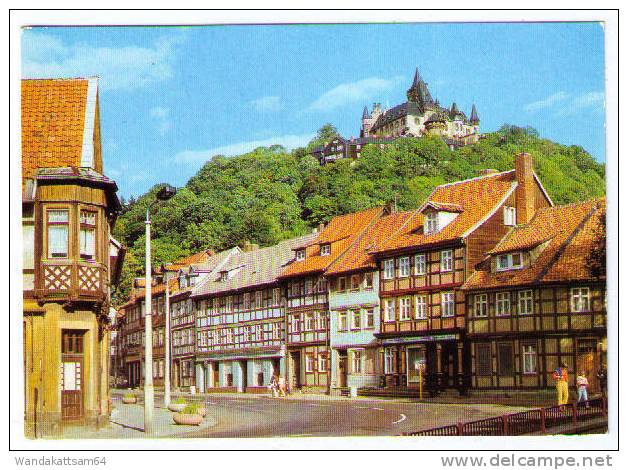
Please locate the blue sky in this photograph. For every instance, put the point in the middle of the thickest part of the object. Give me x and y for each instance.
(171, 97)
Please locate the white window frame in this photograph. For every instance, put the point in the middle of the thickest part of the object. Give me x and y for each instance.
(369, 318)
(431, 223)
(389, 268)
(509, 259)
(60, 225)
(389, 361)
(480, 305)
(420, 264)
(309, 363)
(389, 310)
(404, 267)
(343, 324)
(308, 321)
(448, 299)
(446, 260)
(420, 307)
(357, 359)
(300, 254)
(510, 216)
(578, 295)
(405, 307)
(295, 323)
(368, 280)
(356, 315)
(502, 304)
(522, 300)
(322, 362)
(325, 249)
(529, 351)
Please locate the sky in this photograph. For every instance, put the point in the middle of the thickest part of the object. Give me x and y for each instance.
(172, 97)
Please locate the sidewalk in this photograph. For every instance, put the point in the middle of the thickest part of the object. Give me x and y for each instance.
(127, 421)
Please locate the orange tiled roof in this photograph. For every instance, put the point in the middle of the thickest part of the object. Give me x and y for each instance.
(569, 232)
(475, 199)
(358, 256)
(53, 118)
(342, 231)
(195, 258)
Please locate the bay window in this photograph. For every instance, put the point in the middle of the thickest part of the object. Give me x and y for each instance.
(87, 236)
(57, 221)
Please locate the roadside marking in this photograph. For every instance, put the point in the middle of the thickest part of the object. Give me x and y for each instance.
(403, 418)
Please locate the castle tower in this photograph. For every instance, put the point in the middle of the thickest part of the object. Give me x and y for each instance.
(436, 124)
(367, 122)
(419, 93)
(474, 119)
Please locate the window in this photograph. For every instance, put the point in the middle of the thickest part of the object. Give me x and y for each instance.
(309, 363)
(580, 299)
(446, 260)
(404, 266)
(389, 269)
(342, 284)
(483, 360)
(389, 310)
(322, 362)
(308, 286)
(529, 359)
(526, 305)
(295, 323)
(448, 304)
(368, 280)
(342, 321)
(419, 264)
(509, 261)
(355, 282)
(389, 361)
(300, 254)
(356, 361)
(276, 296)
(258, 299)
(505, 361)
(510, 215)
(58, 233)
(87, 235)
(405, 304)
(431, 222)
(369, 318)
(481, 305)
(356, 320)
(502, 304)
(325, 249)
(420, 307)
(309, 322)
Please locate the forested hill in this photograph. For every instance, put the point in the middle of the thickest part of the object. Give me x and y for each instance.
(270, 194)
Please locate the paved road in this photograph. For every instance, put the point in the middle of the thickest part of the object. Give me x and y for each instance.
(262, 416)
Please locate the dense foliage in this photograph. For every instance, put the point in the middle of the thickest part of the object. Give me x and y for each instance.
(270, 194)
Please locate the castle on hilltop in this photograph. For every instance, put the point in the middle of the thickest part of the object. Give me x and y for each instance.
(420, 115)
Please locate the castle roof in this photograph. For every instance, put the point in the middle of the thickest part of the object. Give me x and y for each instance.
(474, 119)
(365, 113)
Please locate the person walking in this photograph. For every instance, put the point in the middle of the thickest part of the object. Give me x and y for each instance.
(582, 383)
(562, 384)
(273, 387)
(282, 387)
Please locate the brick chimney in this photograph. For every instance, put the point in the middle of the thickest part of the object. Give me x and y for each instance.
(524, 194)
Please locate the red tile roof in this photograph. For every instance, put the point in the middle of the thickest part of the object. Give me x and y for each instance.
(53, 118)
(342, 231)
(357, 257)
(569, 232)
(474, 199)
(196, 258)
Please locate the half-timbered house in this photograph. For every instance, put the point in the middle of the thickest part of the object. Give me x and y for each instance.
(424, 264)
(70, 261)
(534, 303)
(307, 306)
(241, 320)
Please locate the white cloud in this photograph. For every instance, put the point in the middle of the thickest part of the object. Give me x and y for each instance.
(126, 67)
(353, 92)
(288, 141)
(267, 103)
(565, 104)
(160, 116)
(548, 102)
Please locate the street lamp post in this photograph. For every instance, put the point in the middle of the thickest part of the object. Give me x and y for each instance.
(165, 193)
(167, 349)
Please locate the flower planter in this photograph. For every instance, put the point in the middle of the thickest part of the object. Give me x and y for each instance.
(129, 400)
(187, 419)
(177, 407)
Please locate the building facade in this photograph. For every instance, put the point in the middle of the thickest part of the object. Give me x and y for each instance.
(70, 260)
(424, 264)
(241, 320)
(534, 303)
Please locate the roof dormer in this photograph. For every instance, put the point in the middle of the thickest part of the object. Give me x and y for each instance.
(438, 215)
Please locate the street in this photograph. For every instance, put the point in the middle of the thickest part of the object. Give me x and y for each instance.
(302, 416)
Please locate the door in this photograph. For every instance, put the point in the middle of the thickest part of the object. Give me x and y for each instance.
(71, 375)
(342, 370)
(295, 379)
(587, 362)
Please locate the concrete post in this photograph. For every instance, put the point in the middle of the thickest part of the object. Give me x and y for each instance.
(238, 377)
(200, 378)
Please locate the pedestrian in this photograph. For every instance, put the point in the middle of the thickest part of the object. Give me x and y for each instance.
(562, 384)
(282, 387)
(601, 377)
(582, 383)
(273, 386)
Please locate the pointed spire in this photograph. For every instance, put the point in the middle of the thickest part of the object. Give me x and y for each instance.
(474, 119)
(454, 109)
(365, 113)
(417, 78)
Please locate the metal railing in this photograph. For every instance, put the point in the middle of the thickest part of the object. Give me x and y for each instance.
(538, 420)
